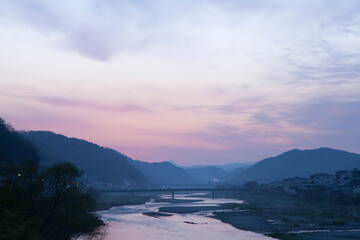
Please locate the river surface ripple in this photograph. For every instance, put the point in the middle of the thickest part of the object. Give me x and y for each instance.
(129, 223)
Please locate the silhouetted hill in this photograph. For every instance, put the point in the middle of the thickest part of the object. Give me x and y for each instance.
(13, 148)
(234, 173)
(207, 175)
(301, 163)
(229, 167)
(165, 173)
(101, 163)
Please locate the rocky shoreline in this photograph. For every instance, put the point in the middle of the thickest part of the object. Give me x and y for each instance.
(292, 220)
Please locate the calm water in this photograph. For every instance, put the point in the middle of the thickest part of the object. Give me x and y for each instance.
(129, 223)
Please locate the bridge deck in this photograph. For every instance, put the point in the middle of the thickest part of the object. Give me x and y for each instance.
(174, 190)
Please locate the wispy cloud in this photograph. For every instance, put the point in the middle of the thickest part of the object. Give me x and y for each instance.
(316, 122)
(115, 107)
(103, 29)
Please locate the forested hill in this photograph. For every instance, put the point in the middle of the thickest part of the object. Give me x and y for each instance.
(165, 173)
(298, 163)
(208, 175)
(103, 164)
(108, 165)
(13, 148)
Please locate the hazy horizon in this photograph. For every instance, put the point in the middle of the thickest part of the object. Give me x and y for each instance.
(205, 82)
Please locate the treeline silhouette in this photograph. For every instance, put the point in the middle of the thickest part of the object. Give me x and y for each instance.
(37, 203)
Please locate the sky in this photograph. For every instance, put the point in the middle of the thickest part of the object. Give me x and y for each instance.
(195, 82)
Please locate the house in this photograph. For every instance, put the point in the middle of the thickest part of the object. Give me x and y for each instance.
(355, 174)
(344, 187)
(320, 180)
(347, 181)
(356, 187)
(276, 184)
(292, 185)
(344, 181)
(343, 176)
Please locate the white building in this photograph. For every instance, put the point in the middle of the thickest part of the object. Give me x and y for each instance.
(320, 180)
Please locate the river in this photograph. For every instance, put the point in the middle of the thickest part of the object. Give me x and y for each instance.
(129, 223)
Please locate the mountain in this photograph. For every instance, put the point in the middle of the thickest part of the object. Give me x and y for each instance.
(300, 163)
(13, 148)
(229, 167)
(212, 174)
(208, 175)
(233, 166)
(103, 164)
(234, 173)
(165, 173)
(175, 164)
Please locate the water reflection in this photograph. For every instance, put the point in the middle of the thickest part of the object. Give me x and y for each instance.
(129, 223)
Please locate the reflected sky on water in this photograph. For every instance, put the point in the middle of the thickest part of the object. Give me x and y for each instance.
(128, 222)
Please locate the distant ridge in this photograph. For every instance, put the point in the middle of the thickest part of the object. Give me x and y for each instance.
(165, 173)
(229, 167)
(108, 165)
(208, 175)
(300, 163)
(103, 164)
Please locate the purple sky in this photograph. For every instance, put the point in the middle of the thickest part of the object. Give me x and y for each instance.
(196, 82)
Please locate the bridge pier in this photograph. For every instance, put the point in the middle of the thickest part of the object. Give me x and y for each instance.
(173, 194)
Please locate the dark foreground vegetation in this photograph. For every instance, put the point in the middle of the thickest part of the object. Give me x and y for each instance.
(45, 204)
(41, 203)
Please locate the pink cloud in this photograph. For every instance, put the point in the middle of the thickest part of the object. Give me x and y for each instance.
(92, 105)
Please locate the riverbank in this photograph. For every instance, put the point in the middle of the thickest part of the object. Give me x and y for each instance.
(143, 221)
(106, 200)
(278, 216)
(283, 217)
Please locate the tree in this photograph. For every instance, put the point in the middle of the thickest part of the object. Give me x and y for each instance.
(47, 204)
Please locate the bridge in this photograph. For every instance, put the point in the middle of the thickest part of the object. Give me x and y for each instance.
(173, 190)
